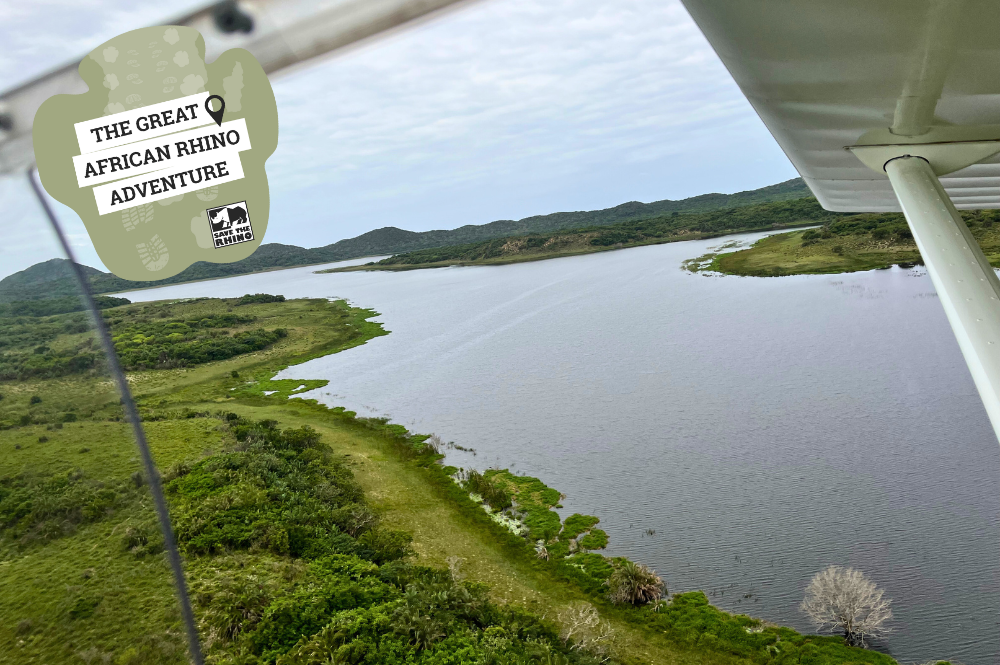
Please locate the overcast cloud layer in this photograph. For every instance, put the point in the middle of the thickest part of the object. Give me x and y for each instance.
(502, 110)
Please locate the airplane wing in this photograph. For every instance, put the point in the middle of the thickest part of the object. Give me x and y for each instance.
(279, 33)
(823, 74)
(886, 105)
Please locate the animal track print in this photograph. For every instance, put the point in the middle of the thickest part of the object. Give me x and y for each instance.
(153, 254)
(207, 194)
(133, 217)
(150, 72)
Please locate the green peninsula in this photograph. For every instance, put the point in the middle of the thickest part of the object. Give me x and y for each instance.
(848, 244)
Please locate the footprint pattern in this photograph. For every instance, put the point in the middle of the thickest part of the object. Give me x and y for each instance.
(133, 217)
(208, 194)
(153, 253)
(139, 72)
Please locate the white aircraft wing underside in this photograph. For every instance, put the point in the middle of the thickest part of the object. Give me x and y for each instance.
(827, 74)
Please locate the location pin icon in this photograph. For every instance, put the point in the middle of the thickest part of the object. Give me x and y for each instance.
(216, 115)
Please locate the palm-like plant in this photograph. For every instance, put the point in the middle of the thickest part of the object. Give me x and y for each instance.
(634, 584)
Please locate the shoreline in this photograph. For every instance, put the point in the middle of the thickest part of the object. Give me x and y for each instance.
(443, 474)
(531, 257)
(419, 493)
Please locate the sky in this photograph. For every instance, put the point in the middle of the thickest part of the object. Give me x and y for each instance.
(500, 110)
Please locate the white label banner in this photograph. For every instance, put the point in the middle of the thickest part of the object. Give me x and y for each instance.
(111, 131)
(211, 168)
(173, 150)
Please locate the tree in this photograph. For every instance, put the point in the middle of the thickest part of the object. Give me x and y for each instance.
(583, 628)
(635, 584)
(845, 600)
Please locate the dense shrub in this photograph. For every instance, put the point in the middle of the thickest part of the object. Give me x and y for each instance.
(332, 584)
(615, 237)
(141, 343)
(385, 545)
(434, 606)
(339, 588)
(634, 584)
(255, 298)
(41, 508)
(53, 306)
(177, 344)
(438, 621)
(278, 490)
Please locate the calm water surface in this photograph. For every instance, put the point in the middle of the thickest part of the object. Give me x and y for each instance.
(763, 428)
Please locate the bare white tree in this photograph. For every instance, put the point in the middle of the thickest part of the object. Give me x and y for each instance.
(844, 600)
(583, 628)
(455, 566)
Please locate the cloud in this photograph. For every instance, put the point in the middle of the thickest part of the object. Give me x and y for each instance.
(43, 34)
(521, 105)
(502, 109)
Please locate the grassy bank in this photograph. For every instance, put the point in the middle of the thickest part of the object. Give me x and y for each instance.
(850, 244)
(673, 227)
(296, 520)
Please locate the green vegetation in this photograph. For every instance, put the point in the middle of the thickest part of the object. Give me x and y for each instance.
(595, 539)
(534, 501)
(651, 230)
(56, 306)
(255, 298)
(525, 506)
(345, 592)
(577, 524)
(493, 493)
(143, 340)
(848, 244)
(634, 584)
(39, 508)
(690, 619)
(309, 535)
(178, 343)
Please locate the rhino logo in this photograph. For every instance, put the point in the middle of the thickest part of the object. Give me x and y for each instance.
(224, 218)
(230, 224)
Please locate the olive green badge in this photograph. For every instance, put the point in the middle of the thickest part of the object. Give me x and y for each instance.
(163, 158)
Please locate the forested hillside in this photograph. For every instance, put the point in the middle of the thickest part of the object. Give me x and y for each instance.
(52, 279)
(668, 227)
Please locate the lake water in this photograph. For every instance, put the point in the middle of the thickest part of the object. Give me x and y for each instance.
(761, 429)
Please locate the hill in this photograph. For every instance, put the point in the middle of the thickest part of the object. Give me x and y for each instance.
(52, 279)
(671, 227)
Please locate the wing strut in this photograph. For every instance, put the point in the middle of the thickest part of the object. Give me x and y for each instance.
(965, 282)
